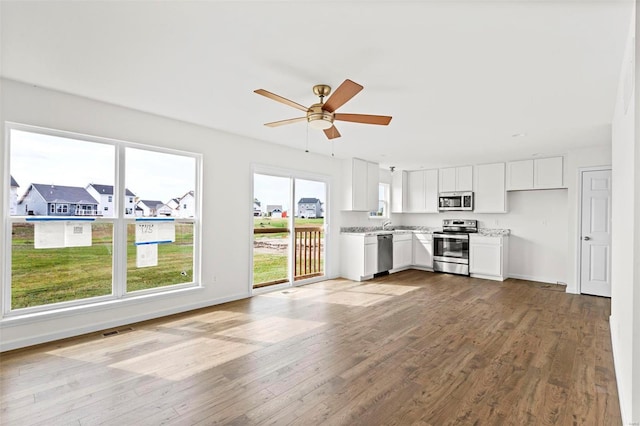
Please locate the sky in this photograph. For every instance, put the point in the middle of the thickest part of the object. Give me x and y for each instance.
(45, 159)
(274, 190)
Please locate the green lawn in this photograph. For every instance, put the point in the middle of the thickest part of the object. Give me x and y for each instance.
(273, 266)
(44, 276)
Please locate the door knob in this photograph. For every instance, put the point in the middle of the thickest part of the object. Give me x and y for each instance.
(587, 238)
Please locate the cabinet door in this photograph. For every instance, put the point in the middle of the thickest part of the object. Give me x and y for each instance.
(519, 175)
(373, 182)
(398, 192)
(370, 258)
(447, 179)
(401, 254)
(415, 191)
(359, 184)
(423, 251)
(489, 188)
(431, 191)
(485, 259)
(464, 178)
(547, 173)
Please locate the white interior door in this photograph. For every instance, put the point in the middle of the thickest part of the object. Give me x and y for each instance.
(595, 258)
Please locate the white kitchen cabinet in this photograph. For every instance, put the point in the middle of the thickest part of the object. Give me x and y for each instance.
(370, 255)
(359, 256)
(488, 257)
(361, 189)
(422, 191)
(423, 250)
(539, 173)
(489, 188)
(402, 250)
(399, 191)
(547, 173)
(454, 179)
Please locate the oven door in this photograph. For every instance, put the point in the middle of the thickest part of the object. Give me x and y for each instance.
(452, 248)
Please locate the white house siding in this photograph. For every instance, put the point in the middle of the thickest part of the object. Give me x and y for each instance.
(13, 201)
(187, 207)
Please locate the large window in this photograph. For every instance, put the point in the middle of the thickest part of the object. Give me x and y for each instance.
(68, 247)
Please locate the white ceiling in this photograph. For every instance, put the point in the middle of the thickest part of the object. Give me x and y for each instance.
(458, 77)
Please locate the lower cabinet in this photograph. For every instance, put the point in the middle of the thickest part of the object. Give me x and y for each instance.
(488, 257)
(359, 256)
(402, 250)
(370, 255)
(423, 250)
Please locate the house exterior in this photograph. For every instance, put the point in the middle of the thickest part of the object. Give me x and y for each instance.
(104, 195)
(13, 197)
(309, 208)
(57, 200)
(186, 205)
(150, 207)
(256, 208)
(274, 210)
(166, 210)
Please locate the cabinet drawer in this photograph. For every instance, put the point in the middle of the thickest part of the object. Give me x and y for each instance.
(480, 239)
(371, 240)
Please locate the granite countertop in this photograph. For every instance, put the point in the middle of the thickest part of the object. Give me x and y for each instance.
(394, 229)
(372, 230)
(493, 232)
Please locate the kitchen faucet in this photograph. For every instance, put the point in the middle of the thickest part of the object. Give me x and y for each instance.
(385, 224)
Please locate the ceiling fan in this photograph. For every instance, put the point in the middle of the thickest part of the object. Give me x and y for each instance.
(321, 115)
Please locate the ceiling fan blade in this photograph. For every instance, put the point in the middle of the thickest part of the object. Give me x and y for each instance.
(332, 132)
(283, 122)
(347, 90)
(382, 120)
(281, 99)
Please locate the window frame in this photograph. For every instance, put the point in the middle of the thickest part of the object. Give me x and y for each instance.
(119, 221)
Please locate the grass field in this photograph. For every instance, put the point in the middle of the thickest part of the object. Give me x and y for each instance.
(45, 276)
(271, 265)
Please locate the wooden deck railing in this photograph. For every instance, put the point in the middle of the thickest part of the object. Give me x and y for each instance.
(308, 252)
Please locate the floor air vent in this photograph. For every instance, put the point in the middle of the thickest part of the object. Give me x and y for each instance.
(114, 332)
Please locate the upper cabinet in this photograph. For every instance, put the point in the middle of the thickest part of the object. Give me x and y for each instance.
(361, 190)
(422, 191)
(456, 179)
(539, 173)
(489, 188)
(399, 192)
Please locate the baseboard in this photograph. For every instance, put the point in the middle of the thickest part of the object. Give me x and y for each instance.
(532, 278)
(613, 327)
(50, 337)
(487, 277)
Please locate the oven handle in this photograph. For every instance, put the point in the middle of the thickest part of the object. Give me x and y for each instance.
(450, 237)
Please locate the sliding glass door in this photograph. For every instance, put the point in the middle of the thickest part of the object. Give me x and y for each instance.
(289, 219)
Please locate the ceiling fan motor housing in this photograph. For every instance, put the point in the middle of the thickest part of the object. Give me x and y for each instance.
(319, 118)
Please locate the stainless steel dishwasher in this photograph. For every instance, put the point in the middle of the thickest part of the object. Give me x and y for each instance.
(385, 252)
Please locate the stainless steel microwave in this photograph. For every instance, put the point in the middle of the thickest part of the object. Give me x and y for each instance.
(452, 201)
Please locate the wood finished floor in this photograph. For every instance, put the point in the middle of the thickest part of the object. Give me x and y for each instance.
(410, 348)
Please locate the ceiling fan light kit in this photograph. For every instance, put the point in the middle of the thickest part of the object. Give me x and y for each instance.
(319, 118)
(321, 115)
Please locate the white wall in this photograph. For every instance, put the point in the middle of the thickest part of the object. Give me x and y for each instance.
(625, 251)
(226, 241)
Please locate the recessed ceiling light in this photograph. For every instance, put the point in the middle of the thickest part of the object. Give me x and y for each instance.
(518, 135)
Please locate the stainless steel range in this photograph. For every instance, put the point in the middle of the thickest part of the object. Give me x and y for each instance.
(451, 246)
